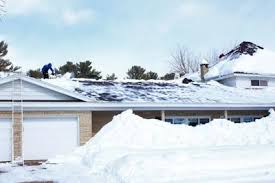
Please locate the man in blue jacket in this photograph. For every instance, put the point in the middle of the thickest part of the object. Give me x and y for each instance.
(45, 70)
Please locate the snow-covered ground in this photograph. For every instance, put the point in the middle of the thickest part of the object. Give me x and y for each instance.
(133, 149)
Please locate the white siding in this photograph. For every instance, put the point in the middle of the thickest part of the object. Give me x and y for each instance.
(229, 81)
(245, 82)
(31, 92)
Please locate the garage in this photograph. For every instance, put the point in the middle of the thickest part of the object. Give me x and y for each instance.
(47, 137)
(5, 139)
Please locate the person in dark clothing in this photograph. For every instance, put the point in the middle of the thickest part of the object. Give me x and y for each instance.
(45, 70)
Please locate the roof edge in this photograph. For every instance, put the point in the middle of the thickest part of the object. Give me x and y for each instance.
(44, 85)
(88, 106)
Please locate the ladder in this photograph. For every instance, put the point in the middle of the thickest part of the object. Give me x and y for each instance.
(17, 113)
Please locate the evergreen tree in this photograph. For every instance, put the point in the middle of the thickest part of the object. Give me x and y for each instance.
(136, 72)
(68, 67)
(5, 64)
(35, 73)
(85, 70)
(168, 76)
(111, 77)
(150, 75)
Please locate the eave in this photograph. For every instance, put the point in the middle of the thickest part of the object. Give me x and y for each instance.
(86, 106)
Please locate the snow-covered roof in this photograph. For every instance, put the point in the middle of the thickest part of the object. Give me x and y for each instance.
(133, 91)
(9, 77)
(244, 58)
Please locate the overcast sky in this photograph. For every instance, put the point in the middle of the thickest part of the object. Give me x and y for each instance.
(116, 34)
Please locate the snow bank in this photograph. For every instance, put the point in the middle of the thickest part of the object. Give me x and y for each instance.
(129, 133)
(133, 149)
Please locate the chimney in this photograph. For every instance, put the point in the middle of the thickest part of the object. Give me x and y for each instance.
(204, 69)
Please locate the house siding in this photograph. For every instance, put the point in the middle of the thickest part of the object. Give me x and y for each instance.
(245, 82)
(32, 92)
(229, 81)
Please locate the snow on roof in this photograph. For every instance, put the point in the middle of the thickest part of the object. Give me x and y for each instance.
(245, 58)
(133, 91)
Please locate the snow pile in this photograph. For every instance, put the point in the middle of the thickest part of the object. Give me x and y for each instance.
(64, 82)
(128, 130)
(133, 149)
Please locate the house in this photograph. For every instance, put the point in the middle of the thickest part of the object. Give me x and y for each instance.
(43, 118)
(246, 66)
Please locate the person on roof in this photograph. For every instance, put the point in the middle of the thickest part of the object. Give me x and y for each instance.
(45, 70)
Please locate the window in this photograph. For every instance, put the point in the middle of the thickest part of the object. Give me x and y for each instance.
(235, 119)
(179, 121)
(255, 83)
(263, 83)
(243, 119)
(259, 83)
(169, 120)
(204, 120)
(192, 121)
(248, 119)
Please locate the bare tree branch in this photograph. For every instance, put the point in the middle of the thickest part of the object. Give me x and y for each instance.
(184, 61)
(2, 8)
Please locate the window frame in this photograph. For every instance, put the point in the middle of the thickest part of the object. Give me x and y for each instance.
(242, 117)
(260, 82)
(186, 122)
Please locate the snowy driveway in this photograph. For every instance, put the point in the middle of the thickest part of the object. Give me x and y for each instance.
(217, 164)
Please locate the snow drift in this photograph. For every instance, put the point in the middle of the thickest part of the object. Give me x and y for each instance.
(128, 133)
(131, 131)
(133, 149)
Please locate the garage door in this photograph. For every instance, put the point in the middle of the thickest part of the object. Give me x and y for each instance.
(44, 138)
(5, 139)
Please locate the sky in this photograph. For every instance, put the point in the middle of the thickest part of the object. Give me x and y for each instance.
(117, 34)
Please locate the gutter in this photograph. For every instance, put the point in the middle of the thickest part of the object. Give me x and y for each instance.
(86, 106)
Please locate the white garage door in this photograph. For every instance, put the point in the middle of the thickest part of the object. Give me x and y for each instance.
(44, 138)
(5, 139)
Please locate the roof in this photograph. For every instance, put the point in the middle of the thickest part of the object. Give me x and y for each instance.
(12, 77)
(165, 92)
(247, 58)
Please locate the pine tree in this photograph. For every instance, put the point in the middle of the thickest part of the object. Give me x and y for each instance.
(35, 73)
(68, 67)
(136, 72)
(111, 77)
(5, 64)
(85, 70)
(150, 75)
(168, 76)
